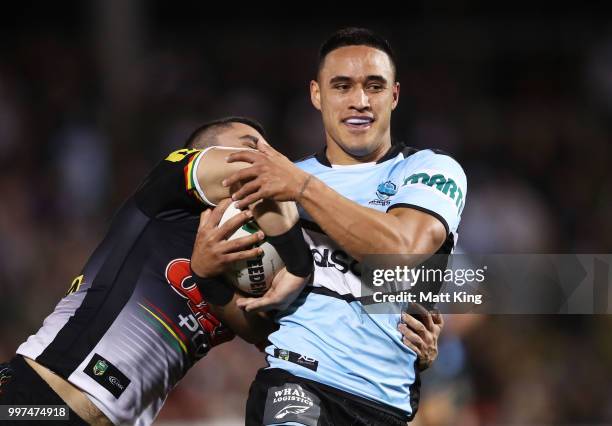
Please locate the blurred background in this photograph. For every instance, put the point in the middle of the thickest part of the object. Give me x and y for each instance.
(93, 94)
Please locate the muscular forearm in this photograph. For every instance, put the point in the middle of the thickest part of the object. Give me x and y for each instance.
(275, 218)
(250, 326)
(358, 230)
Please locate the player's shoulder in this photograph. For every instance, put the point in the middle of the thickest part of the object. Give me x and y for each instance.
(429, 161)
(179, 163)
(170, 185)
(429, 157)
(179, 158)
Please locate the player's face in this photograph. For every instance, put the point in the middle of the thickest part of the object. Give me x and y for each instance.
(356, 92)
(239, 135)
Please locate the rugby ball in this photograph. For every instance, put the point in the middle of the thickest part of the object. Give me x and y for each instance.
(252, 276)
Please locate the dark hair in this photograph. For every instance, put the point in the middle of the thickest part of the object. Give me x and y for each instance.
(355, 37)
(206, 135)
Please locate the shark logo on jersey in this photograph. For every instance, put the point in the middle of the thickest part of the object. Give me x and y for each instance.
(384, 191)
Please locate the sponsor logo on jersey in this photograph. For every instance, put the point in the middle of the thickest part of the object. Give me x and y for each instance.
(115, 382)
(299, 359)
(178, 155)
(384, 191)
(291, 409)
(446, 186)
(338, 259)
(107, 375)
(75, 285)
(291, 403)
(205, 329)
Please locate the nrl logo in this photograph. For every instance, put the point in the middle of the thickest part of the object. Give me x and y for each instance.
(100, 368)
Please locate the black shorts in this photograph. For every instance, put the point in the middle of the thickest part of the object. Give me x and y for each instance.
(278, 397)
(22, 386)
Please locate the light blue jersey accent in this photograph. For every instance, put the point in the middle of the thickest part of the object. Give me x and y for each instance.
(359, 353)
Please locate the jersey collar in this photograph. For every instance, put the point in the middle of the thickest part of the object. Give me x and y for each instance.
(395, 149)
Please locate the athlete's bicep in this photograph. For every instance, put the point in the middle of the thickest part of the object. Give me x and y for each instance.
(425, 231)
(212, 169)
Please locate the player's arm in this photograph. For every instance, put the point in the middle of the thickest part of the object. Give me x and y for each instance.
(274, 218)
(359, 230)
(278, 220)
(250, 326)
(212, 253)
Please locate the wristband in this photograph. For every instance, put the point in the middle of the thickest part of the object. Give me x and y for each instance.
(294, 251)
(214, 291)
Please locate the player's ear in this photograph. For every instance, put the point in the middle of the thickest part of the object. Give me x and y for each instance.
(315, 94)
(396, 92)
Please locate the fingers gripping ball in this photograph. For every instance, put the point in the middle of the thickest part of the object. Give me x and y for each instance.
(252, 276)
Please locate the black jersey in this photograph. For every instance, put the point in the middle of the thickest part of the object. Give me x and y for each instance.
(132, 323)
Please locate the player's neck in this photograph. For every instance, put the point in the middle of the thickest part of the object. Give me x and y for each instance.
(337, 156)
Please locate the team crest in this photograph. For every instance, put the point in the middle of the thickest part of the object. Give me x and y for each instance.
(384, 191)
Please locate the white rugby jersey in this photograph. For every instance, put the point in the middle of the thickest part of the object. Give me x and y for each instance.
(325, 335)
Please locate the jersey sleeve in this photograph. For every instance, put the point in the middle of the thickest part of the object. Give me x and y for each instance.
(432, 183)
(172, 186)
